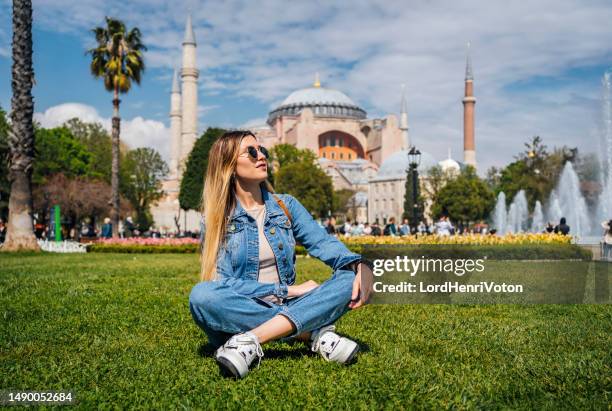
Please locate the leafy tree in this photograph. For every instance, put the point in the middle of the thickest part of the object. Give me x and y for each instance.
(309, 184)
(285, 154)
(192, 183)
(58, 151)
(535, 170)
(436, 179)
(20, 232)
(142, 172)
(493, 176)
(78, 197)
(118, 60)
(5, 186)
(467, 198)
(98, 142)
(343, 203)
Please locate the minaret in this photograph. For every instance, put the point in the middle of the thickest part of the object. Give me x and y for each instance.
(404, 121)
(175, 126)
(189, 89)
(469, 101)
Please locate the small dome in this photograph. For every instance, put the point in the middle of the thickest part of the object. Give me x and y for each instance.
(318, 95)
(449, 164)
(395, 166)
(324, 102)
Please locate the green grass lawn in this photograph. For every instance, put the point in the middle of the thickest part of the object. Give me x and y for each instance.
(116, 329)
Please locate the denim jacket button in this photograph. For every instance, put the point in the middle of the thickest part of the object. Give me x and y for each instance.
(280, 246)
(232, 227)
(272, 230)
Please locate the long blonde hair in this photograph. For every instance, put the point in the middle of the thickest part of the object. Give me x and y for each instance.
(219, 197)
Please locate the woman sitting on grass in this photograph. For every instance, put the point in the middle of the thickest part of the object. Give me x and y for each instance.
(247, 296)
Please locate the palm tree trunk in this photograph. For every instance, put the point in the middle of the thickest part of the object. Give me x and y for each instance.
(20, 232)
(115, 165)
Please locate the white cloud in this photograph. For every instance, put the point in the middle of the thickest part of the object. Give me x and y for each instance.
(136, 132)
(202, 110)
(254, 122)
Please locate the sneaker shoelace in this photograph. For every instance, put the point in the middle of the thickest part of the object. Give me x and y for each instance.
(241, 344)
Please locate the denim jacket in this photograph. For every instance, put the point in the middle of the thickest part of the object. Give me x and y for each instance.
(238, 259)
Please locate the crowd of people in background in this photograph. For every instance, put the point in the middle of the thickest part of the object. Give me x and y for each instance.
(442, 227)
(87, 230)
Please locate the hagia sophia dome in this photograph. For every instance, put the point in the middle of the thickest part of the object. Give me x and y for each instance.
(323, 101)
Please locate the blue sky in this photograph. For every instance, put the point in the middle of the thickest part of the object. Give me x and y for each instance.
(537, 67)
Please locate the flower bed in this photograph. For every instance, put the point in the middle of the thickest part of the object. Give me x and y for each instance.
(511, 246)
(136, 245)
(471, 239)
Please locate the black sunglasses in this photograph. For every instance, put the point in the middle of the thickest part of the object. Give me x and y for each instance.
(252, 151)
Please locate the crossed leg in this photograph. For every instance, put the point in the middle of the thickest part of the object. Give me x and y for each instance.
(221, 311)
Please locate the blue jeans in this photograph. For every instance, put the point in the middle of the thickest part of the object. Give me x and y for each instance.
(221, 311)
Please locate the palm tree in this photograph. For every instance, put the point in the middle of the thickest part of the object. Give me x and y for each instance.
(20, 232)
(117, 59)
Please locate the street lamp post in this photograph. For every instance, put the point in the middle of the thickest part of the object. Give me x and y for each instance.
(414, 157)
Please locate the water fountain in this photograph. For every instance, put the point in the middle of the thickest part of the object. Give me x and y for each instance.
(500, 215)
(553, 212)
(604, 208)
(566, 199)
(518, 214)
(537, 223)
(571, 201)
(513, 220)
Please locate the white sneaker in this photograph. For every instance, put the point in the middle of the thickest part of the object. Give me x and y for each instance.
(332, 346)
(236, 355)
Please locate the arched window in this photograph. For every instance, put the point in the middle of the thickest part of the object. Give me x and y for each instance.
(341, 156)
(333, 155)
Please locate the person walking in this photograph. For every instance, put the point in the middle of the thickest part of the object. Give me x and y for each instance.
(404, 229)
(129, 227)
(248, 295)
(444, 227)
(331, 227)
(107, 228)
(390, 228)
(348, 228)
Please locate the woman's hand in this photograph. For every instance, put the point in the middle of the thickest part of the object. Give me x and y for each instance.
(356, 296)
(301, 289)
